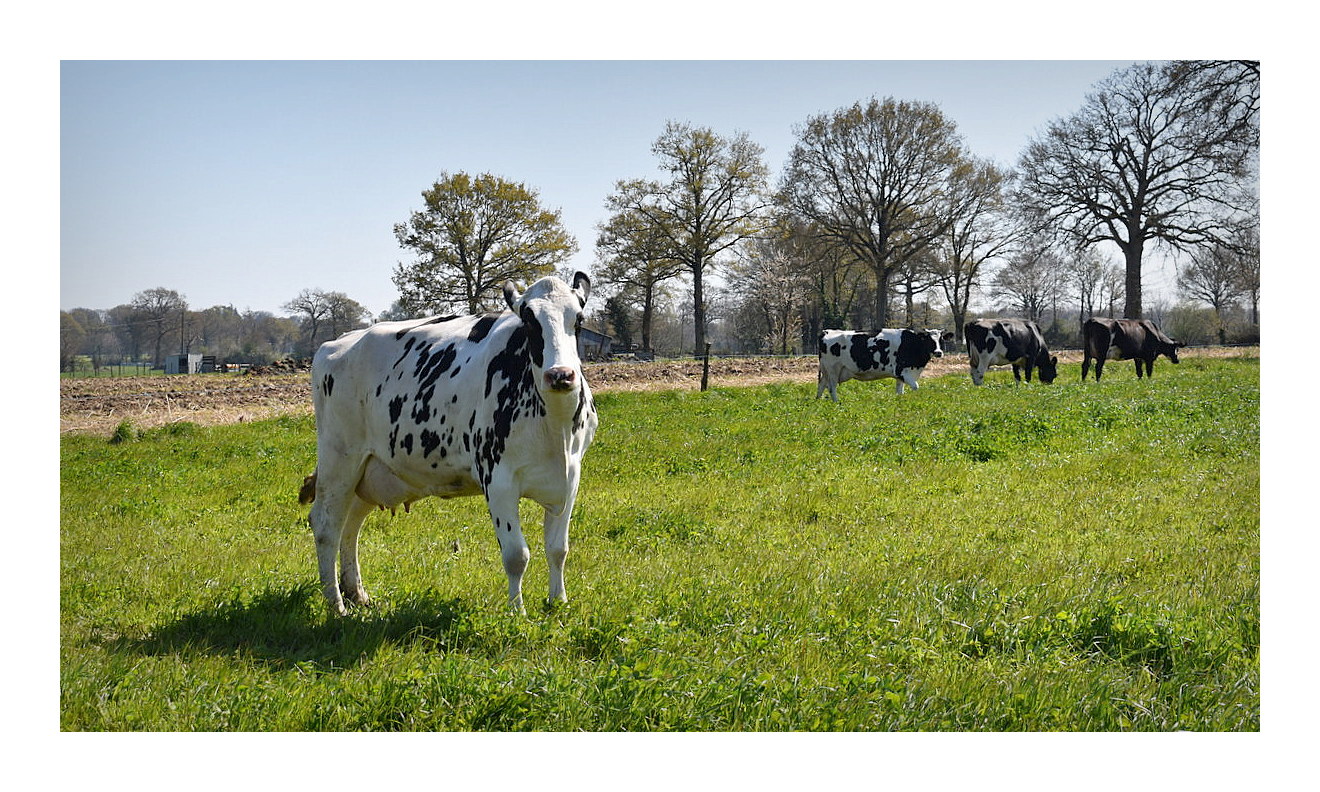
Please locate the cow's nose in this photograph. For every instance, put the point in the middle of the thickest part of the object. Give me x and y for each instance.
(561, 378)
(939, 353)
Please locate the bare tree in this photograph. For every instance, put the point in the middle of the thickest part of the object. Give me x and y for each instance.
(774, 285)
(160, 313)
(870, 178)
(324, 315)
(714, 198)
(1157, 154)
(980, 231)
(1030, 280)
(1213, 277)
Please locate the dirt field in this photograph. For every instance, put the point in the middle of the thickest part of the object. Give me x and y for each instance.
(97, 405)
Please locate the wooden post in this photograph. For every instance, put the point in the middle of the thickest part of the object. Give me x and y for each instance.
(705, 369)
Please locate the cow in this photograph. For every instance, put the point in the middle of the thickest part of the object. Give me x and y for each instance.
(493, 405)
(897, 354)
(1015, 342)
(1139, 340)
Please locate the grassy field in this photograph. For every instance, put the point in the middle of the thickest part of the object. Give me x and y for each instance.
(1072, 557)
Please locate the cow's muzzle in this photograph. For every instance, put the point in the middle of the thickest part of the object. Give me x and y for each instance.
(561, 378)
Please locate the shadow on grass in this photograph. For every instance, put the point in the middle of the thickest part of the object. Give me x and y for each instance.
(288, 627)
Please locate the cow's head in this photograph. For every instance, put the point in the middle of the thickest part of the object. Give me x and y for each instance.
(1047, 368)
(939, 337)
(552, 312)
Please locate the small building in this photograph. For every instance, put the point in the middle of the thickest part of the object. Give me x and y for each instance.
(593, 345)
(183, 364)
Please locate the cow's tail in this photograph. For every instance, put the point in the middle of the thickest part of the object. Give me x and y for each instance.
(308, 492)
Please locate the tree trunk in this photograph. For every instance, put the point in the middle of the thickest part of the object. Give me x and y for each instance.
(1132, 280)
(698, 312)
(881, 297)
(648, 309)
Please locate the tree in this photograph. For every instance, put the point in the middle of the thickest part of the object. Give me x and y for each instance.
(1213, 277)
(72, 336)
(472, 236)
(980, 230)
(619, 319)
(874, 179)
(635, 254)
(159, 312)
(714, 198)
(1157, 154)
(324, 315)
(772, 283)
(1030, 279)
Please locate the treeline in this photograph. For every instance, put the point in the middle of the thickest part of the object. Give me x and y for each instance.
(880, 217)
(158, 322)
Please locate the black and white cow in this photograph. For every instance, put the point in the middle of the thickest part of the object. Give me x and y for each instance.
(897, 354)
(492, 405)
(1015, 342)
(1139, 340)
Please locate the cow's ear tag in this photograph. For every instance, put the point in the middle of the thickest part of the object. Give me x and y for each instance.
(511, 296)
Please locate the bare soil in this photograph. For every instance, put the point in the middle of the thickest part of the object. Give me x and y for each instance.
(98, 405)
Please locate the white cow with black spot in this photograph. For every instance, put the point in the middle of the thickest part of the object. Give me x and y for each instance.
(889, 354)
(493, 405)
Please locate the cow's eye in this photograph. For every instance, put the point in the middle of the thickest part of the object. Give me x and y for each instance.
(577, 325)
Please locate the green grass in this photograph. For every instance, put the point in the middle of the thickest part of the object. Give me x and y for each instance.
(1072, 557)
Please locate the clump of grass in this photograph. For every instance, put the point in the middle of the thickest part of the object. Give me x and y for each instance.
(125, 432)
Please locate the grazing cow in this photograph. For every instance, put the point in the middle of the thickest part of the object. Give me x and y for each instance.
(492, 405)
(1016, 342)
(1139, 340)
(900, 354)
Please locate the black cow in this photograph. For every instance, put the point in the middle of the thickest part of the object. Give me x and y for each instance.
(1016, 342)
(1139, 340)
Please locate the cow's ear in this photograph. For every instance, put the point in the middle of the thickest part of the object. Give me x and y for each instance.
(582, 285)
(948, 336)
(511, 296)
(1054, 360)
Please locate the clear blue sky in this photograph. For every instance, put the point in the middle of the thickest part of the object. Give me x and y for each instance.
(243, 182)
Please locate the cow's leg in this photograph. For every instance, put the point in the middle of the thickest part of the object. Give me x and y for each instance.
(1017, 374)
(820, 383)
(328, 516)
(350, 576)
(1099, 367)
(1138, 362)
(1086, 366)
(556, 547)
(503, 504)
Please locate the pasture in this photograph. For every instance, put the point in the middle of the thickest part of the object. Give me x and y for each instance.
(1079, 557)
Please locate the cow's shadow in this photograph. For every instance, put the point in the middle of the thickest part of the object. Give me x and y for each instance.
(287, 627)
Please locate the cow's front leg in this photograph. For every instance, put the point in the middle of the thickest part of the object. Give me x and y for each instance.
(556, 542)
(503, 503)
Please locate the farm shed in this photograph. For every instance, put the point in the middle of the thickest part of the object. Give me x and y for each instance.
(593, 345)
(183, 364)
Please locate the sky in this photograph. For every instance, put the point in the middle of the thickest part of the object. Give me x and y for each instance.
(244, 182)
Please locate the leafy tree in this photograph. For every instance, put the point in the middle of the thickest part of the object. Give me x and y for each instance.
(472, 235)
(873, 178)
(72, 336)
(714, 198)
(619, 319)
(1157, 154)
(635, 254)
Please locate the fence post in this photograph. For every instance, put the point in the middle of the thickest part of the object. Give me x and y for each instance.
(705, 369)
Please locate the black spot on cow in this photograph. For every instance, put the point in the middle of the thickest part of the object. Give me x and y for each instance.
(860, 350)
(407, 347)
(482, 328)
(396, 408)
(328, 384)
(437, 320)
(407, 443)
(914, 351)
(430, 441)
